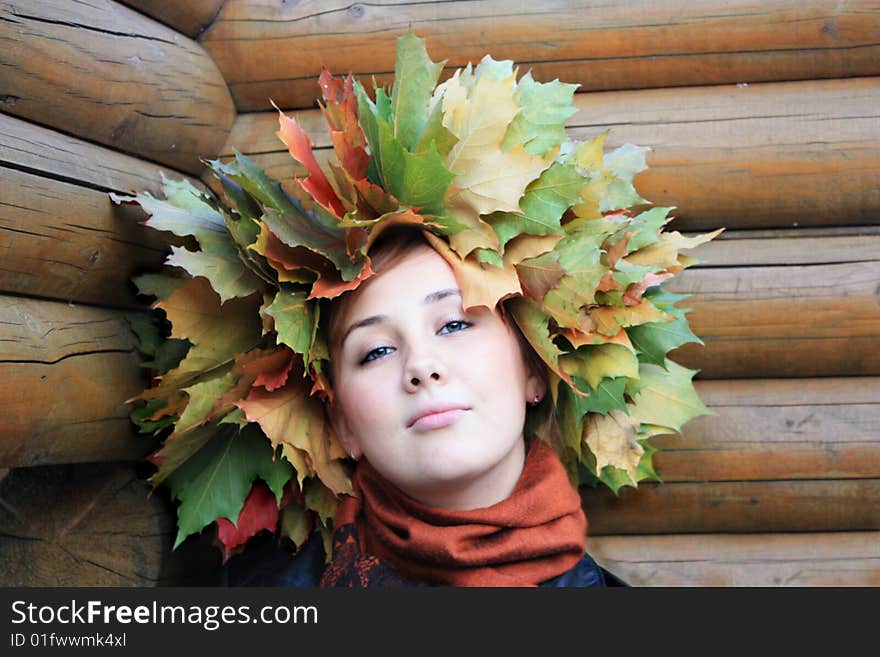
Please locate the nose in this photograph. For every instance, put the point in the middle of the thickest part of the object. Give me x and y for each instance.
(422, 368)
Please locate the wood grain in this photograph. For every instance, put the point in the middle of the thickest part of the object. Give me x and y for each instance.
(52, 154)
(736, 506)
(91, 525)
(777, 429)
(66, 371)
(803, 559)
(792, 154)
(190, 17)
(782, 321)
(108, 74)
(276, 50)
(63, 241)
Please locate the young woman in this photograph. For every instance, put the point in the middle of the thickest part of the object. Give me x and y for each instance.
(431, 401)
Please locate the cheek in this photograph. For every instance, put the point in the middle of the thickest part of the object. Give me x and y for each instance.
(365, 404)
(496, 364)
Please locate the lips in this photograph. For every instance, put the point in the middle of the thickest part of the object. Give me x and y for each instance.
(437, 416)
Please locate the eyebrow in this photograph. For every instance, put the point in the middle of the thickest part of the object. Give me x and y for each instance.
(434, 297)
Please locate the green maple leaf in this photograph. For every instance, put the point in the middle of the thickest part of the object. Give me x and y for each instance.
(177, 450)
(606, 396)
(665, 397)
(580, 257)
(623, 163)
(161, 286)
(294, 320)
(436, 134)
(626, 273)
(648, 224)
(415, 76)
(202, 398)
(656, 339)
(417, 179)
(666, 300)
(184, 211)
(317, 234)
(139, 415)
(168, 355)
(215, 481)
(597, 362)
(540, 125)
(542, 206)
(251, 178)
(218, 261)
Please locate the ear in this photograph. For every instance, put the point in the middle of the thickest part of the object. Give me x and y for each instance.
(536, 386)
(343, 431)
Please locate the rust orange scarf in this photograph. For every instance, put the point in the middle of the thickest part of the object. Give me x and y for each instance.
(537, 533)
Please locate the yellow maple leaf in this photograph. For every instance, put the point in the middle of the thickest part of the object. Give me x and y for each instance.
(477, 111)
(612, 439)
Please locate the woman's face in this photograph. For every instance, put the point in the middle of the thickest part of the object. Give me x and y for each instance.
(432, 396)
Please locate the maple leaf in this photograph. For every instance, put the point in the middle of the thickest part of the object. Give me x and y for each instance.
(477, 110)
(415, 76)
(296, 524)
(219, 263)
(542, 206)
(534, 325)
(300, 147)
(647, 226)
(184, 211)
(269, 370)
(579, 257)
(341, 111)
(294, 319)
(259, 513)
(608, 320)
(612, 440)
(540, 126)
(664, 252)
(623, 163)
(187, 212)
(178, 449)
(160, 286)
(665, 397)
(215, 481)
(217, 331)
(417, 179)
(595, 363)
(291, 416)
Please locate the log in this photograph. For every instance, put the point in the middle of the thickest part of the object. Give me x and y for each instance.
(52, 154)
(789, 246)
(735, 506)
(270, 51)
(811, 559)
(760, 156)
(62, 241)
(113, 76)
(777, 429)
(66, 373)
(91, 525)
(782, 321)
(751, 156)
(190, 17)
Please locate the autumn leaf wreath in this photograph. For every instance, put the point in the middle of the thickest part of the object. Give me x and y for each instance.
(552, 229)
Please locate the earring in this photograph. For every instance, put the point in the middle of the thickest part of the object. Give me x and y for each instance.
(536, 400)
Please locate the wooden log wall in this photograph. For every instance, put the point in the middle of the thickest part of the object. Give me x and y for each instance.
(762, 117)
(96, 98)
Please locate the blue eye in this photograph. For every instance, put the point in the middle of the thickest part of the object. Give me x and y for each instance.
(455, 326)
(376, 353)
